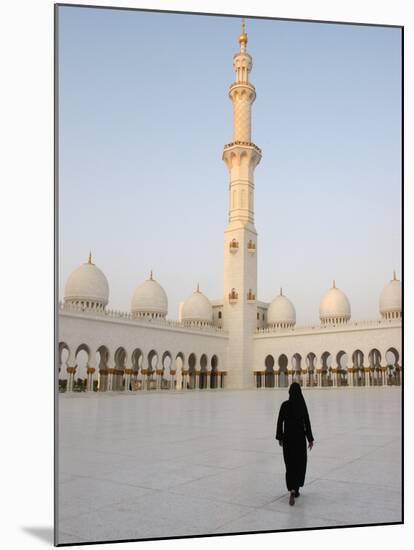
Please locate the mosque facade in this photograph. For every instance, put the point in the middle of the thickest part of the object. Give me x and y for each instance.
(236, 342)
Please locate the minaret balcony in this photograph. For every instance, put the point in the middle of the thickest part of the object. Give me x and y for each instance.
(242, 90)
(248, 84)
(243, 144)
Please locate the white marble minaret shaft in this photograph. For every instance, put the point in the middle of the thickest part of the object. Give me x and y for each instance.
(240, 243)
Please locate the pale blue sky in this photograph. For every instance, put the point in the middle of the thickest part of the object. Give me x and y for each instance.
(144, 115)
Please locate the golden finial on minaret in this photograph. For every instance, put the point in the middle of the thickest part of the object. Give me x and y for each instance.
(243, 36)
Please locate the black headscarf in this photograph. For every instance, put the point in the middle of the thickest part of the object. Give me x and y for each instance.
(296, 401)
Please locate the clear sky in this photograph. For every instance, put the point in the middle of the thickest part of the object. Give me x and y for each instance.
(144, 115)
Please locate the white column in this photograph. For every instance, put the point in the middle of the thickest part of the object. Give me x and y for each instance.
(179, 380)
(110, 375)
(95, 376)
(69, 386)
(91, 366)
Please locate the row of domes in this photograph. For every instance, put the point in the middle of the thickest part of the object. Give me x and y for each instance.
(88, 286)
(335, 307)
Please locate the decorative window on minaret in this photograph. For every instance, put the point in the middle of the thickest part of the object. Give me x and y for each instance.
(251, 246)
(234, 245)
(233, 295)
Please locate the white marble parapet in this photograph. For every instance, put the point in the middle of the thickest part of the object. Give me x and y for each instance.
(126, 316)
(352, 325)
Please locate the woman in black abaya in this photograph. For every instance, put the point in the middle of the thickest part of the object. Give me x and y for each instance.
(293, 428)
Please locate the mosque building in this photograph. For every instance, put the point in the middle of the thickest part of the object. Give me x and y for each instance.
(236, 342)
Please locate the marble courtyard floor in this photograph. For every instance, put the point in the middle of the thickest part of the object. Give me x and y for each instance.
(161, 464)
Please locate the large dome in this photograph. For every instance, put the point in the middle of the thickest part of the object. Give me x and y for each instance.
(334, 307)
(87, 286)
(390, 300)
(197, 309)
(149, 300)
(281, 312)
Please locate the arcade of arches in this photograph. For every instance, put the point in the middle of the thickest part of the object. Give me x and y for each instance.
(327, 370)
(82, 369)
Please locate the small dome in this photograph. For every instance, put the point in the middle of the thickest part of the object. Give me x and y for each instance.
(281, 312)
(149, 300)
(87, 286)
(390, 299)
(197, 309)
(335, 307)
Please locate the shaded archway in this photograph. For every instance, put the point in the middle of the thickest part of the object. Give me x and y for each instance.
(151, 370)
(393, 368)
(342, 368)
(203, 378)
(102, 360)
(137, 359)
(311, 361)
(119, 370)
(326, 369)
(80, 376)
(358, 368)
(192, 361)
(283, 377)
(214, 370)
(375, 371)
(269, 372)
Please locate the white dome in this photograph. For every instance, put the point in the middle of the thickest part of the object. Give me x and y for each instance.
(281, 312)
(390, 299)
(87, 284)
(197, 308)
(150, 299)
(334, 307)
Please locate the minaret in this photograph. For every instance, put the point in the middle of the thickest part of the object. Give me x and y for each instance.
(240, 238)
